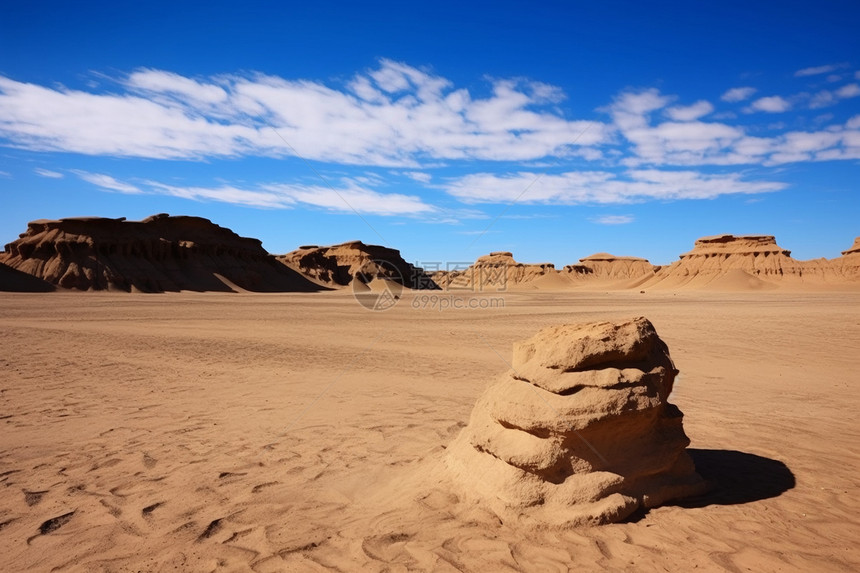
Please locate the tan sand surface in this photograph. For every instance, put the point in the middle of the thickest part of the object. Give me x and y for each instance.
(299, 432)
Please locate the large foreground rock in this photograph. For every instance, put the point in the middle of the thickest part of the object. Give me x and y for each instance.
(579, 431)
(160, 253)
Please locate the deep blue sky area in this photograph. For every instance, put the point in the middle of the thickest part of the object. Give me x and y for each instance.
(445, 129)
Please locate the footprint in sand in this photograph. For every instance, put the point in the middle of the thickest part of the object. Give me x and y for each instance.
(213, 528)
(226, 475)
(31, 498)
(259, 487)
(387, 548)
(147, 511)
(52, 525)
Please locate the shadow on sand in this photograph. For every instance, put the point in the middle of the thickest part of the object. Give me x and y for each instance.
(737, 477)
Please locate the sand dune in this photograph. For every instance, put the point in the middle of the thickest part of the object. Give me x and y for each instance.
(296, 432)
(160, 253)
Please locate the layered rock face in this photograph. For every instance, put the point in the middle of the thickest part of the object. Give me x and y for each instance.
(496, 271)
(747, 261)
(603, 266)
(160, 253)
(580, 431)
(757, 254)
(339, 265)
(848, 265)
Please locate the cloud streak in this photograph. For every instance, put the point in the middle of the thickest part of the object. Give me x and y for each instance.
(702, 143)
(602, 187)
(818, 70)
(738, 94)
(614, 219)
(395, 115)
(107, 182)
(347, 197)
(48, 173)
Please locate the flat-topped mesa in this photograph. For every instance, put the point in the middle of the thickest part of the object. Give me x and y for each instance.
(579, 431)
(727, 245)
(611, 267)
(338, 265)
(736, 262)
(496, 271)
(159, 253)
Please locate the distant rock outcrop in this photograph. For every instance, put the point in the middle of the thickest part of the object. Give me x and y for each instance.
(339, 265)
(580, 431)
(160, 253)
(496, 272)
(738, 263)
(603, 266)
(855, 248)
(848, 265)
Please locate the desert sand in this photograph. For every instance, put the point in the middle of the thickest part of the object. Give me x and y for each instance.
(302, 432)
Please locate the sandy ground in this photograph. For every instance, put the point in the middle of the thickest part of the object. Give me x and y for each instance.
(296, 432)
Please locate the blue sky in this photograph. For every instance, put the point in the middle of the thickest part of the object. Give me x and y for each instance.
(446, 130)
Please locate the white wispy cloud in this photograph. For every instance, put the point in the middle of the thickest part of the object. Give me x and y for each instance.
(107, 182)
(738, 94)
(698, 142)
(848, 91)
(821, 99)
(420, 176)
(48, 173)
(826, 98)
(817, 70)
(614, 219)
(348, 197)
(393, 115)
(769, 104)
(691, 112)
(150, 81)
(601, 187)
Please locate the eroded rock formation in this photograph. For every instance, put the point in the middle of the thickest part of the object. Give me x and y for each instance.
(579, 431)
(495, 272)
(160, 253)
(740, 262)
(848, 265)
(338, 265)
(603, 266)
